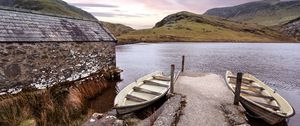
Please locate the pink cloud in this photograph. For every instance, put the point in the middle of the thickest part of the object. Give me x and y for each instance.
(145, 13)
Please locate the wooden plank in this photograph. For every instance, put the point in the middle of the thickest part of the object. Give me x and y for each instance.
(182, 63)
(252, 86)
(233, 81)
(238, 88)
(134, 98)
(148, 82)
(244, 79)
(143, 90)
(163, 78)
(258, 95)
(268, 105)
(172, 79)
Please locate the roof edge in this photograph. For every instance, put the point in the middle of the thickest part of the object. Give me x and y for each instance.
(107, 31)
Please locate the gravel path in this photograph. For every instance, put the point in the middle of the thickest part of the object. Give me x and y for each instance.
(205, 96)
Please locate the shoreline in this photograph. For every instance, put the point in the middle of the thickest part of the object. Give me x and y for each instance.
(240, 42)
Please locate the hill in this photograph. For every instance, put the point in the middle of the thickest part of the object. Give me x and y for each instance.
(186, 26)
(48, 6)
(265, 12)
(62, 8)
(117, 29)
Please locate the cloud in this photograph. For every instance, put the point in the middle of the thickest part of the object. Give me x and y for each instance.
(145, 13)
(110, 14)
(93, 5)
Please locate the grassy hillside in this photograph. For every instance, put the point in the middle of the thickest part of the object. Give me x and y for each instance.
(265, 12)
(48, 6)
(185, 26)
(117, 29)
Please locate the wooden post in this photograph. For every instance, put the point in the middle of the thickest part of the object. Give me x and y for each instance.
(182, 63)
(238, 88)
(172, 79)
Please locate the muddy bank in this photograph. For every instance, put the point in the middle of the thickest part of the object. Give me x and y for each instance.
(105, 100)
(63, 104)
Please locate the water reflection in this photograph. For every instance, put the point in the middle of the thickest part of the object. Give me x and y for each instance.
(275, 64)
(105, 101)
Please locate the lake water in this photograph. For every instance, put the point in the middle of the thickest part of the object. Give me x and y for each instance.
(278, 65)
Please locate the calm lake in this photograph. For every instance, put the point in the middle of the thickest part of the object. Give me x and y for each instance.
(278, 65)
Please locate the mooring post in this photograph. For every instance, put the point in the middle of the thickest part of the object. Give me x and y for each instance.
(172, 79)
(182, 63)
(238, 88)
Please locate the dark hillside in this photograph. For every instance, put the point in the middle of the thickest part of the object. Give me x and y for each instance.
(265, 12)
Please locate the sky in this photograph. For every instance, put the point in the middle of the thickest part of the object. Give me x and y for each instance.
(141, 14)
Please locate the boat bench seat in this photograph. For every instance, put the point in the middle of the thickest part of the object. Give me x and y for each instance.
(252, 86)
(258, 95)
(143, 90)
(134, 98)
(268, 105)
(163, 78)
(243, 79)
(149, 82)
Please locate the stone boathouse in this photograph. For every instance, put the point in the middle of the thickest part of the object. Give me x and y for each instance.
(40, 50)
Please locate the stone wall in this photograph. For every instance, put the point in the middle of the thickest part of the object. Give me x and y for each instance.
(47, 63)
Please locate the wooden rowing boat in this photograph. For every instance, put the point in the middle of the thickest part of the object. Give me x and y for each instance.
(259, 98)
(142, 93)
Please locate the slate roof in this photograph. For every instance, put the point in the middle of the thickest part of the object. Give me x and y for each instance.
(28, 26)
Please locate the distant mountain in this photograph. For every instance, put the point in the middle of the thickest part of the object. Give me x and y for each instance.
(48, 6)
(186, 26)
(265, 12)
(117, 29)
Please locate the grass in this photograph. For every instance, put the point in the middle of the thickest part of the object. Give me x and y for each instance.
(62, 104)
(195, 28)
(52, 6)
(117, 29)
(257, 12)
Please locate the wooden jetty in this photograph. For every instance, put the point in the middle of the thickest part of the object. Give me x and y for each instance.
(208, 100)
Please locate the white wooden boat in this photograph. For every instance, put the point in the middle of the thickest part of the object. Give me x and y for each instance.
(259, 98)
(142, 93)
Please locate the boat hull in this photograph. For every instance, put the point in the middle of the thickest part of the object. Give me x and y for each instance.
(126, 110)
(260, 99)
(142, 93)
(267, 116)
